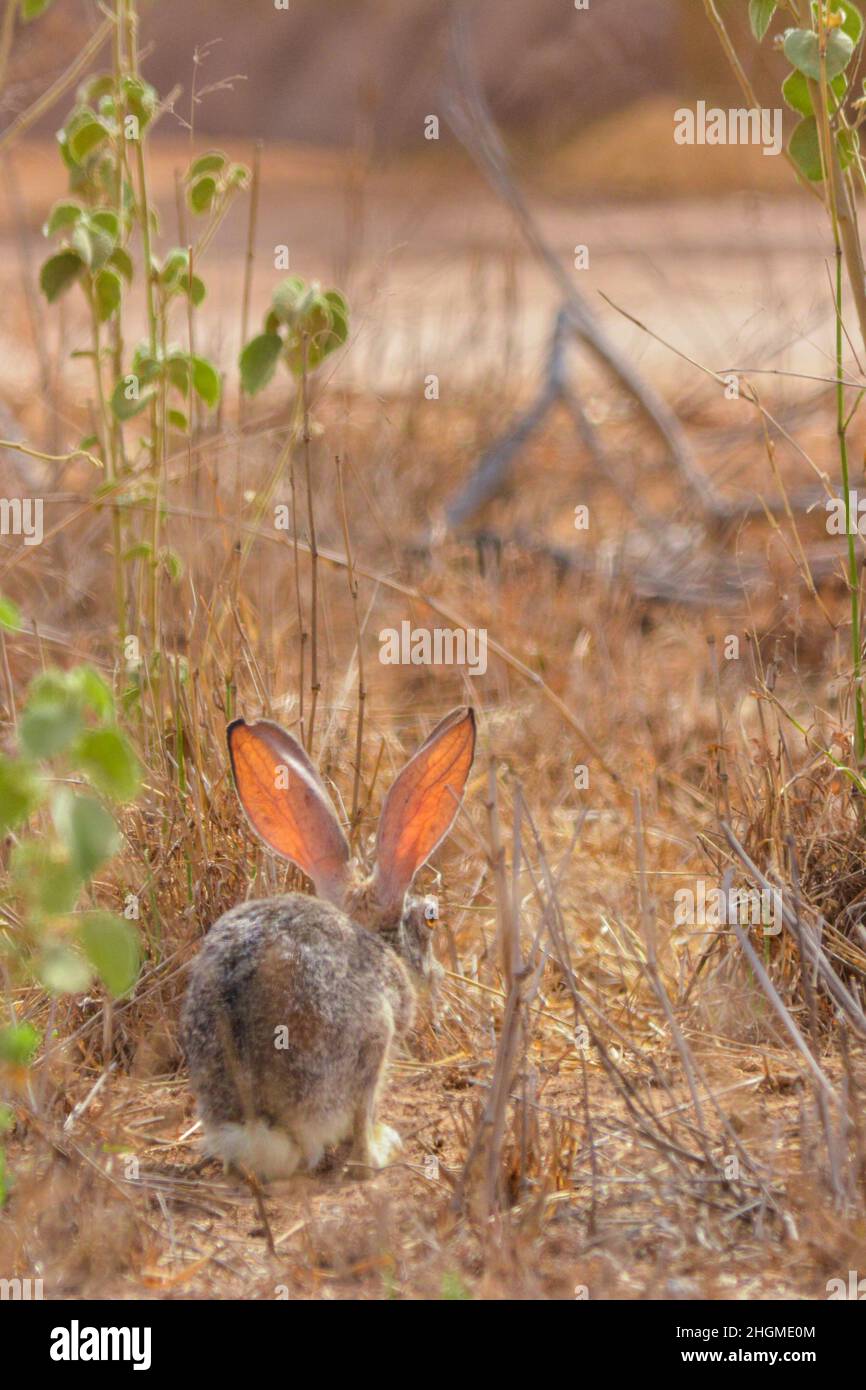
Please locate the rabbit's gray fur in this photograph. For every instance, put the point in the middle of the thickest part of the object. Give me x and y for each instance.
(294, 1002)
(340, 992)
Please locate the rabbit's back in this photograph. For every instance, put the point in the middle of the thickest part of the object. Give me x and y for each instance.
(287, 999)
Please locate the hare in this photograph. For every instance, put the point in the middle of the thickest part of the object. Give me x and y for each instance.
(294, 1002)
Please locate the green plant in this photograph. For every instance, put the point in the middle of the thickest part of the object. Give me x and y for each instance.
(103, 144)
(303, 326)
(56, 795)
(823, 48)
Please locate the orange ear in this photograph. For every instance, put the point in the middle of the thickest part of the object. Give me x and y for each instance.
(286, 803)
(421, 806)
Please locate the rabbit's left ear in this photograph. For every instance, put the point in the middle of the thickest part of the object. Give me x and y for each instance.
(419, 809)
(286, 804)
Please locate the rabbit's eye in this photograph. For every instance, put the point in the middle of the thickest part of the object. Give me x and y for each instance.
(431, 910)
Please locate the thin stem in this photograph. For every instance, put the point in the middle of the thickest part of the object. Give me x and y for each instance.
(314, 553)
(66, 80)
(302, 628)
(158, 403)
(352, 578)
(246, 299)
(249, 260)
(853, 576)
(110, 471)
(841, 209)
(7, 34)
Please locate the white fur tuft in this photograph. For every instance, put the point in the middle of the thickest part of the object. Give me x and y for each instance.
(267, 1152)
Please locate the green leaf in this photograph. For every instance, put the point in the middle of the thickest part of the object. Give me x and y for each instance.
(178, 421)
(92, 690)
(174, 264)
(32, 9)
(145, 366)
(88, 133)
(107, 294)
(172, 564)
(10, 617)
(202, 193)
(87, 830)
(58, 273)
(238, 176)
(113, 948)
(63, 971)
(63, 214)
(318, 321)
(82, 243)
(177, 368)
(805, 149)
(53, 715)
(325, 333)
(802, 51)
(93, 89)
(107, 222)
(197, 292)
(206, 380)
(20, 792)
(109, 762)
(142, 550)
(210, 163)
(337, 301)
(140, 99)
(795, 91)
(339, 327)
(93, 242)
(122, 261)
(44, 876)
(760, 16)
(18, 1044)
(258, 361)
(48, 725)
(126, 406)
(290, 299)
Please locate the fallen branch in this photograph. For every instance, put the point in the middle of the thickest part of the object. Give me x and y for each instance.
(470, 119)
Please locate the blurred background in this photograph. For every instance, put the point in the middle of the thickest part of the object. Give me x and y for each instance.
(339, 92)
(549, 69)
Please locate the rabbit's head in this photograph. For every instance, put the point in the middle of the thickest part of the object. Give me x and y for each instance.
(288, 807)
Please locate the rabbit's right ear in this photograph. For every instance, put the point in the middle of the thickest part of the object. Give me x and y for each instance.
(286, 804)
(421, 806)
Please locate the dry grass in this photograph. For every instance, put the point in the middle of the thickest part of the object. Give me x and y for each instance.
(610, 1158)
(596, 1097)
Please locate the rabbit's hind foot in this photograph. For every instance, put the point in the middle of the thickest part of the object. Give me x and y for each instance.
(375, 1147)
(386, 1145)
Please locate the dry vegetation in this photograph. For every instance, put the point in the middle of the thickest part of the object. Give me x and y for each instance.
(596, 1098)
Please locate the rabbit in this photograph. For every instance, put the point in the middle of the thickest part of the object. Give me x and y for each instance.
(294, 1002)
